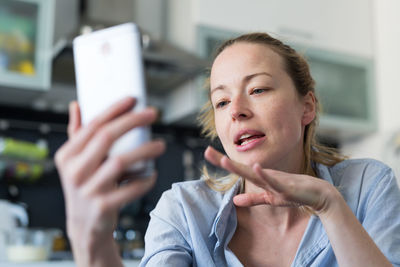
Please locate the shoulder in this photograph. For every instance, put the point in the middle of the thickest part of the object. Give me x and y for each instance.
(361, 164)
(362, 182)
(357, 171)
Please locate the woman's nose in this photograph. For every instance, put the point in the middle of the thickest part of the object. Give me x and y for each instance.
(239, 108)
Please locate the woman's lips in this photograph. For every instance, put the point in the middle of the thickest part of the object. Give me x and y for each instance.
(250, 143)
(246, 134)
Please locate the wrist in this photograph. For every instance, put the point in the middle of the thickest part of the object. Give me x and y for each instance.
(99, 253)
(331, 199)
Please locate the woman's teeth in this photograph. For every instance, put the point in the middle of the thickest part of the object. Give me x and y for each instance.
(246, 138)
(245, 142)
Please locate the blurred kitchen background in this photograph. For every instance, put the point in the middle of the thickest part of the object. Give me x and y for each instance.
(352, 46)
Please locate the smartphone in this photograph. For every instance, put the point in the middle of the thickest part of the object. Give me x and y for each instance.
(108, 67)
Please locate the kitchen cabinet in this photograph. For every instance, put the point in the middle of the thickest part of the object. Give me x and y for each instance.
(342, 26)
(345, 87)
(32, 32)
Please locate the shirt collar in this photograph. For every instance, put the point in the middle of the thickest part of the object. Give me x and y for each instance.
(225, 215)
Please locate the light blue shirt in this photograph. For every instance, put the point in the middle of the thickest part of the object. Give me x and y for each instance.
(193, 224)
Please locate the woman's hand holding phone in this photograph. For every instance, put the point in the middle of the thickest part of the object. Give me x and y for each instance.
(91, 180)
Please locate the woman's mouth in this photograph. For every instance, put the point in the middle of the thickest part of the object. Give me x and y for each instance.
(247, 140)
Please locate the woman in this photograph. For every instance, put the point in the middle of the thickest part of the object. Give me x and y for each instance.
(273, 212)
(263, 109)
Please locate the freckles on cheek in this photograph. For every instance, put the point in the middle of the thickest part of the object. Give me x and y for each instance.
(285, 120)
(291, 128)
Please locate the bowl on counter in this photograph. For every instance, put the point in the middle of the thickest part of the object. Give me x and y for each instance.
(30, 244)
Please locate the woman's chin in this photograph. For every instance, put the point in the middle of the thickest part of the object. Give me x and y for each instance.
(250, 161)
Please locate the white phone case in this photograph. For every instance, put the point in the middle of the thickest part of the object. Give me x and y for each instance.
(108, 67)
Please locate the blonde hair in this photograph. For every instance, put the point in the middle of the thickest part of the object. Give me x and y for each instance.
(298, 69)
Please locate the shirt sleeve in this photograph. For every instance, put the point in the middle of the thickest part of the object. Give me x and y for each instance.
(165, 242)
(382, 216)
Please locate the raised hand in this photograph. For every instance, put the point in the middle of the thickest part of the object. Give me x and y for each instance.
(279, 188)
(91, 180)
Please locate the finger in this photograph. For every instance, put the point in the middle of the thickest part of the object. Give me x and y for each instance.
(74, 119)
(98, 147)
(244, 171)
(110, 172)
(270, 177)
(218, 159)
(213, 156)
(292, 189)
(147, 151)
(249, 199)
(237, 168)
(82, 136)
(130, 191)
(264, 198)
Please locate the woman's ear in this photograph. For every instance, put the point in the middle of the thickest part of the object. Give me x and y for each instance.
(310, 107)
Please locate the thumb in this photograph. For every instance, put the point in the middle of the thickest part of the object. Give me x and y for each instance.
(250, 199)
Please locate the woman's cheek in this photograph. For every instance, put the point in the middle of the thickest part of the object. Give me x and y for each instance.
(219, 124)
(223, 130)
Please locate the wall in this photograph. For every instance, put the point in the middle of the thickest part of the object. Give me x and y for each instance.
(181, 24)
(387, 58)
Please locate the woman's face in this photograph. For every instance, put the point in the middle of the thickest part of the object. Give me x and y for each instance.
(259, 116)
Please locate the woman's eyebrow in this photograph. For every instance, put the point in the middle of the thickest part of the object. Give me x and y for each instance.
(246, 79)
(251, 76)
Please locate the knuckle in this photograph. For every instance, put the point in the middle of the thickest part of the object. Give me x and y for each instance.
(74, 176)
(92, 127)
(289, 190)
(105, 136)
(85, 193)
(94, 123)
(291, 186)
(117, 163)
(59, 157)
(70, 130)
(101, 206)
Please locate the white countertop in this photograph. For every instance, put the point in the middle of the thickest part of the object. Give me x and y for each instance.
(127, 263)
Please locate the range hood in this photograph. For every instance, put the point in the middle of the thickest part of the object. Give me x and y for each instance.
(168, 67)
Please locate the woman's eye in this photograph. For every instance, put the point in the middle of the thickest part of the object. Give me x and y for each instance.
(258, 90)
(221, 104)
